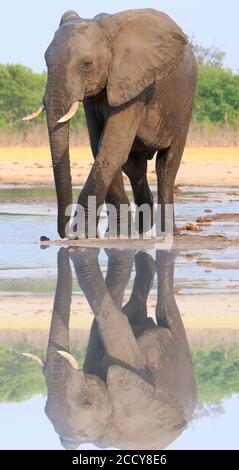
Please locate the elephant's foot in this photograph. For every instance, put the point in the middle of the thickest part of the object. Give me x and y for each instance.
(78, 230)
(144, 228)
(120, 228)
(176, 231)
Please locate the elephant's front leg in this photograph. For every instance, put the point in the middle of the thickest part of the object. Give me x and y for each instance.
(118, 137)
(114, 328)
(116, 195)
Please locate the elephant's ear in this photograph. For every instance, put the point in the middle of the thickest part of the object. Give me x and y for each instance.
(143, 413)
(69, 16)
(147, 48)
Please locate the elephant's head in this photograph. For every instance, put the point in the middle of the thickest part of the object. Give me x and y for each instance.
(77, 403)
(77, 61)
(124, 411)
(125, 54)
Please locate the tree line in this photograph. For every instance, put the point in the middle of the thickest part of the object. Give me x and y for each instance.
(216, 101)
(216, 373)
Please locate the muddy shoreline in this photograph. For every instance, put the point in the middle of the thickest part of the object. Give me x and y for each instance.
(184, 242)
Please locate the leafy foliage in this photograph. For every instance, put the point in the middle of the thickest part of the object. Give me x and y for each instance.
(217, 95)
(21, 90)
(216, 374)
(20, 378)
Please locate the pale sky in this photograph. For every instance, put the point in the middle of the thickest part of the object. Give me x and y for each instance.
(27, 27)
(33, 430)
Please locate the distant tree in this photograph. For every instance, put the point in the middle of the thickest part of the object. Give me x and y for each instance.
(217, 95)
(208, 55)
(216, 374)
(21, 378)
(21, 90)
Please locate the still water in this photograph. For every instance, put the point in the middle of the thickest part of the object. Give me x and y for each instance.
(153, 337)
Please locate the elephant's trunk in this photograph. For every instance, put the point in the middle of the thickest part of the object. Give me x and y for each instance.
(57, 105)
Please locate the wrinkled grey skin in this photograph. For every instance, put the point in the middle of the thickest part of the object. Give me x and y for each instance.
(136, 75)
(137, 388)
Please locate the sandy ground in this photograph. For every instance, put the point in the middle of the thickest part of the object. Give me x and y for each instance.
(20, 312)
(200, 166)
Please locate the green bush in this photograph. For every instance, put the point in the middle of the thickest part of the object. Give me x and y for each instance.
(20, 378)
(217, 95)
(21, 92)
(216, 374)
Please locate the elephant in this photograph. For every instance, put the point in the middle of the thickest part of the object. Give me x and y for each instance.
(136, 74)
(137, 387)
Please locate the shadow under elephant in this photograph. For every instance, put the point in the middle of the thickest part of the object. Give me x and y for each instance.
(137, 387)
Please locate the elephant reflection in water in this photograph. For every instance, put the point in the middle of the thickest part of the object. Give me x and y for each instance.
(137, 387)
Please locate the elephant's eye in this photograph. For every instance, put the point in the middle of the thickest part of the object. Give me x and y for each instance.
(87, 64)
(87, 402)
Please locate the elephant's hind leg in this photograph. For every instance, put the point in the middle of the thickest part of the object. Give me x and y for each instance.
(136, 170)
(167, 164)
(117, 197)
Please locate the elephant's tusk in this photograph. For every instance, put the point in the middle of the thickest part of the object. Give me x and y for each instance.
(29, 117)
(34, 358)
(70, 113)
(70, 359)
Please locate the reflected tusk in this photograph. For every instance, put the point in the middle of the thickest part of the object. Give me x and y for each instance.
(70, 359)
(34, 358)
(70, 113)
(29, 117)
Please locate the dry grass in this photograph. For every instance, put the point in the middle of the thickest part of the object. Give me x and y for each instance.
(200, 135)
(216, 135)
(210, 320)
(198, 338)
(37, 136)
